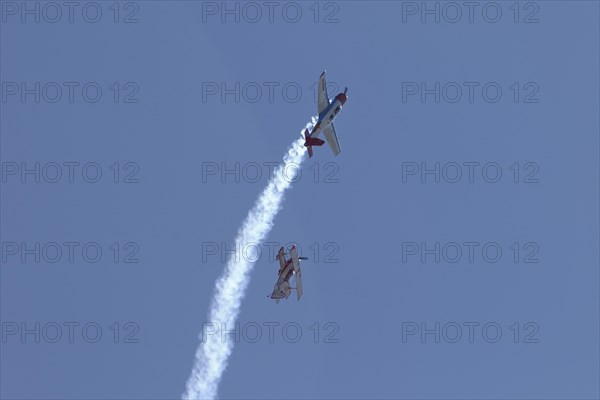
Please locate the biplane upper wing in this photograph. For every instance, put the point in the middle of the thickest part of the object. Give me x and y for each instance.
(281, 257)
(297, 271)
(299, 283)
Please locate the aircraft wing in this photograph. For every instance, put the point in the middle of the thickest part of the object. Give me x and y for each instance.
(322, 94)
(332, 139)
(297, 271)
(295, 259)
(281, 257)
(299, 283)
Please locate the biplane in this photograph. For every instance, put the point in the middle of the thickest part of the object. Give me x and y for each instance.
(287, 268)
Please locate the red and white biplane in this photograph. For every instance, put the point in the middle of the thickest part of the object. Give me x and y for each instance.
(287, 268)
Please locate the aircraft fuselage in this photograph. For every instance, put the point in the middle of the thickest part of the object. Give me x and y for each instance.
(282, 287)
(329, 114)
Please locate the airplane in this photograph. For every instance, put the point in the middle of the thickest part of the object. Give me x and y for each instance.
(328, 110)
(288, 268)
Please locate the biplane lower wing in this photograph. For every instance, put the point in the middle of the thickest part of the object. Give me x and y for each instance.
(297, 271)
(299, 283)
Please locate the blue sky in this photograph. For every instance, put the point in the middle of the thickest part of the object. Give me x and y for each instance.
(377, 221)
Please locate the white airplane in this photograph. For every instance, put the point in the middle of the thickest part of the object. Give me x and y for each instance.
(288, 268)
(328, 109)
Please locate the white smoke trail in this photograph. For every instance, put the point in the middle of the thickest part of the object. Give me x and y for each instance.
(212, 354)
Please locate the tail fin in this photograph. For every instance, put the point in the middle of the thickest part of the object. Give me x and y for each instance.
(310, 141)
